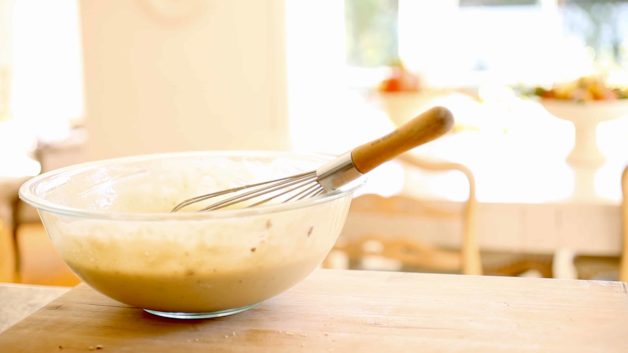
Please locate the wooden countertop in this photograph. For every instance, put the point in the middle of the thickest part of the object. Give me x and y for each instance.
(353, 311)
(18, 301)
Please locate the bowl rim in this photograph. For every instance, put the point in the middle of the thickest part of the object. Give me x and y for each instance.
(28, 195)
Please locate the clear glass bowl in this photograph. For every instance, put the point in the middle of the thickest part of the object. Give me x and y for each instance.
(111, 222)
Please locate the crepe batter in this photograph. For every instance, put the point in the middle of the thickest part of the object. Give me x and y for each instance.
(200, 265)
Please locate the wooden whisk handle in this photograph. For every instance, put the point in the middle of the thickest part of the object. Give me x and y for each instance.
(426, 127)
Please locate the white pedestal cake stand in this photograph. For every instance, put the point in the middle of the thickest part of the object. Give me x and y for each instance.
(585, 157)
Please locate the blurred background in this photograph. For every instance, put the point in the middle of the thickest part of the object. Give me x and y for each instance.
(87, 80)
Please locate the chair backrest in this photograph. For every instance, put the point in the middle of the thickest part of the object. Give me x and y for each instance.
(7, 273)
(391, 227)
(623, 270)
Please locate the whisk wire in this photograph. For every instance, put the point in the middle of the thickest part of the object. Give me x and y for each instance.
(275, 185)
(320, 191)
(304, 193)
(205, 197)
(232, 190)
(295, 187)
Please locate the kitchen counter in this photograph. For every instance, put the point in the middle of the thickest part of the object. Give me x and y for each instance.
(20, 300)
(345, 311)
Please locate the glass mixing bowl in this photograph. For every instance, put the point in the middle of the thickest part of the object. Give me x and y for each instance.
(111, 222)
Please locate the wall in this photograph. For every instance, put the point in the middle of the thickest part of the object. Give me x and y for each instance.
(166, 75)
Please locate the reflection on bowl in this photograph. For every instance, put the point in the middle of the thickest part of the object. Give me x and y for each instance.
(110, 222)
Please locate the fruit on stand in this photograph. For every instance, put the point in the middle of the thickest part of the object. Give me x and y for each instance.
(400, 80)
(584, 89)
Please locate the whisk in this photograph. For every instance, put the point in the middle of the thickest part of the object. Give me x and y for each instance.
(426, 127)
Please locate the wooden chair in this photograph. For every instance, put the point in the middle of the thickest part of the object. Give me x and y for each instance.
(360, 239)
(7, 272)
(623, 267)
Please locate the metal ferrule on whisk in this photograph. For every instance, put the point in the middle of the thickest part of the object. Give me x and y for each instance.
(337, 173)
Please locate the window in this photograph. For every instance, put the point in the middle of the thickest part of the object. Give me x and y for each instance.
(486, 45)
(371, 28)
(461, 42)
(45, 66)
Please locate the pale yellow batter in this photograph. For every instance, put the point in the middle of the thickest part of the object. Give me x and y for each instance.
(203, 265)
(197, 291)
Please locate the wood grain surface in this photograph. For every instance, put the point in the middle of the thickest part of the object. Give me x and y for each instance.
(353, 311)
(18, 301)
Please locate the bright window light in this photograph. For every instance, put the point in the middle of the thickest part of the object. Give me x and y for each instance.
(47, 84)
